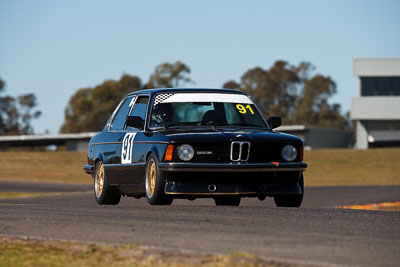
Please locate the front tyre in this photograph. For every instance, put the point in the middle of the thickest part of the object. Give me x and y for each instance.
(291, 200)
(155, 183)
(102, 191)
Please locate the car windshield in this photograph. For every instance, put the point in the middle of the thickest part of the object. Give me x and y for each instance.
(200, 109)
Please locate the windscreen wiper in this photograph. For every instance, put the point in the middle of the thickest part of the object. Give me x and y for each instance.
(183, 124)
(245, 125)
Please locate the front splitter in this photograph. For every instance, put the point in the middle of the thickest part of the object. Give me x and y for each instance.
(178, 188)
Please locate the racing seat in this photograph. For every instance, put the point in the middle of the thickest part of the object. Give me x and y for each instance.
(212, 117)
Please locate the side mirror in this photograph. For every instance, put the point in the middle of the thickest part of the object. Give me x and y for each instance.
(275, 122)
(135, 122)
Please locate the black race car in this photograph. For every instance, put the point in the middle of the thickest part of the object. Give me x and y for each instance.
(191, 143)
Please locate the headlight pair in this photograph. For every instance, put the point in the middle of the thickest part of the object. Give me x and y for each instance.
(186, 152)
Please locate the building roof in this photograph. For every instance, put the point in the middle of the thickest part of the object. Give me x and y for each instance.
(45, 139)
(376, 67)
(291, 128)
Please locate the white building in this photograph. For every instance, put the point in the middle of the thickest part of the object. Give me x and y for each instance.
(376, 110)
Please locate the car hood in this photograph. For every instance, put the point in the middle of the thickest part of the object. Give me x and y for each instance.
(229, 134)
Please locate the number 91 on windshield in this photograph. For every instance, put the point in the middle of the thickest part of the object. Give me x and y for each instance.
(243, 109)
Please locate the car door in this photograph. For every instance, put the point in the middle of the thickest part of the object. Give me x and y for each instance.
(113, 138)
(129, 170)
(108, 143)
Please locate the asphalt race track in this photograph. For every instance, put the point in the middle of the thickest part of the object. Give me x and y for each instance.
(317, 233)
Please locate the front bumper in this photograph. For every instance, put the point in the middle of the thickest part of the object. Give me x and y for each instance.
(232, 167)
(244, 179)
(89, 169)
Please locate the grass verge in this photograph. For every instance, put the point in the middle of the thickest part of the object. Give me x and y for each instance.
(326, 167)
(63, 166)
(26, 252)
(344, 167)
(37, 194)
(18, 194)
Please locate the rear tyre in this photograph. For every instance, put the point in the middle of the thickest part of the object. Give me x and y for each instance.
(227, 201)
(155, 183)
(102, 191)
(291, 200)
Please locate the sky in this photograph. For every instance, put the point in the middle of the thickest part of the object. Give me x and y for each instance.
(53, 48)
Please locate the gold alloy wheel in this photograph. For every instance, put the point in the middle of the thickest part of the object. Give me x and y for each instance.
(99, 180)
(151, 178)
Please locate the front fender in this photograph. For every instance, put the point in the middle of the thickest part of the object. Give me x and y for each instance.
(158, 150)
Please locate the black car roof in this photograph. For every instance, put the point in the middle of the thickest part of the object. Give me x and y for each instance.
(192, 90)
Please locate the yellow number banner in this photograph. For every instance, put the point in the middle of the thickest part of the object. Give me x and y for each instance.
(242, 109)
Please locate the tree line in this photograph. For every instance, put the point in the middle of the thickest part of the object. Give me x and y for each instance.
(89, 108)
(295, 93)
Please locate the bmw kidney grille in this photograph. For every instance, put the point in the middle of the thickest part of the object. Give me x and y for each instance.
(240, 151)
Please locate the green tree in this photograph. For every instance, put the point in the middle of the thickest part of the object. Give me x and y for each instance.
(26, 105)
(89, 108)
(231, 85)
(312, 107)
(294, 93)
(169, 75)
(16, 114)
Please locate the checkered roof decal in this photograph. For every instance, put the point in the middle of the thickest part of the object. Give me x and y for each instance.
(161, 98)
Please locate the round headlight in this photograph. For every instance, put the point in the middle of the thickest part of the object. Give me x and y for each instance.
(185, 152)
(289, 153)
